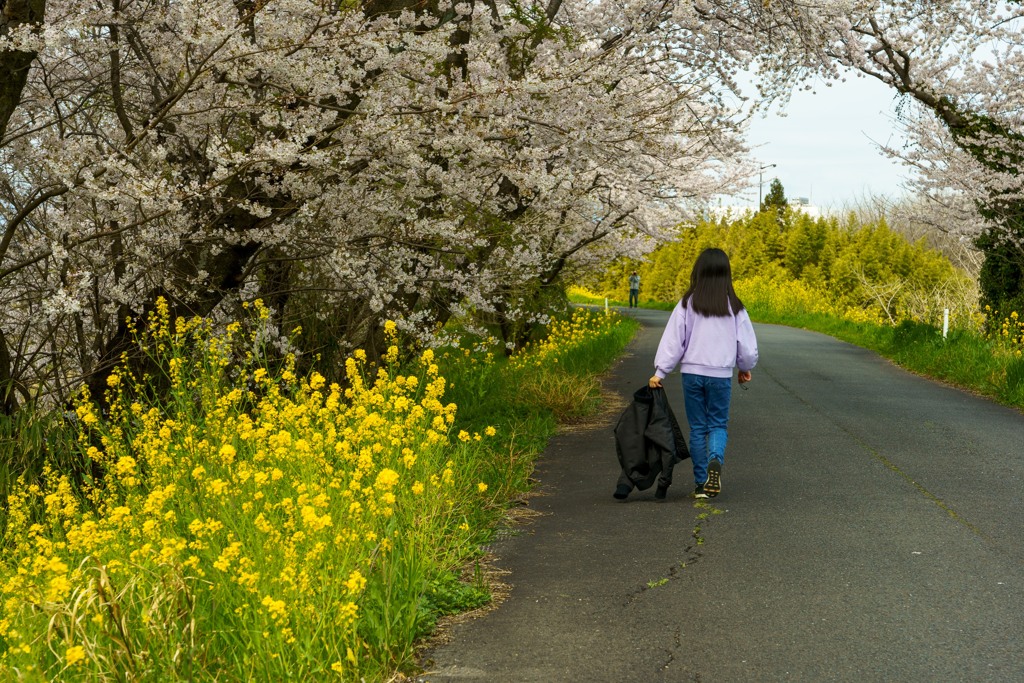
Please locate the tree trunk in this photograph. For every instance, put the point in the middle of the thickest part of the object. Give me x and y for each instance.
(8, 399)
(14, 64)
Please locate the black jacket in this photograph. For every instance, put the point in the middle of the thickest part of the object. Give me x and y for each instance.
(648, 439)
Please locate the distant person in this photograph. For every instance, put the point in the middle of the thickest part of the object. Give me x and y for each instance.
(634, 290)
(709, 333)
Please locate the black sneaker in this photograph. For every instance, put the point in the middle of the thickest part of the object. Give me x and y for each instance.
(699, 492)
(621, 491)
(714, 483)
(661, 492)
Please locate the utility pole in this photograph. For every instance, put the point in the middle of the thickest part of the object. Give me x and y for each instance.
(760, 183)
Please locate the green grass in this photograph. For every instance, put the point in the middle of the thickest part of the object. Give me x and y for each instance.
(580, 298)
(964, 358)
(527, 404)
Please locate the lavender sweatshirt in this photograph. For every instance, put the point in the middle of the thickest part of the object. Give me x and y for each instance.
(706, 346)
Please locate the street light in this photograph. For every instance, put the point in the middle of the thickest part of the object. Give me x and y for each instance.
(760, 183)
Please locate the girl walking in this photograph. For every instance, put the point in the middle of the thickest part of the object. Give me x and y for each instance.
(709, 333)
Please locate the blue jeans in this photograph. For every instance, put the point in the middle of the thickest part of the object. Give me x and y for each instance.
(707, 411)
(634, 298)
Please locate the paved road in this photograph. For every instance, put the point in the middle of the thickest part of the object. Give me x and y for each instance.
(870, 528)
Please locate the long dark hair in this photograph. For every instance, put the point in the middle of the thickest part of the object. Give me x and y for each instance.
(711, 291)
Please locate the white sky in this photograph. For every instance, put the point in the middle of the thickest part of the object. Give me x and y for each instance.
(825, 145)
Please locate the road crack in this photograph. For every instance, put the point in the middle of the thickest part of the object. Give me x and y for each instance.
(692, 553)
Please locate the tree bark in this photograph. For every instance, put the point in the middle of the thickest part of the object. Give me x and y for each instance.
(14, 64)
(8, 399)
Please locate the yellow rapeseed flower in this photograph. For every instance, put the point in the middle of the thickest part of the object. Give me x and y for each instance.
(284, 461)
(227, 453)
(74, 655)
(356, 581)
(386, 478)
(58, 589)
(408, 458)
(276, 608)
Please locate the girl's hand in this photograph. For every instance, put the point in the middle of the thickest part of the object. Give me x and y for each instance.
(654, 382)
(744, 376)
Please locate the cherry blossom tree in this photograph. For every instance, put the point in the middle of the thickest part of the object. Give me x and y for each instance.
(412, 160)
(419, 160)
(958, 65)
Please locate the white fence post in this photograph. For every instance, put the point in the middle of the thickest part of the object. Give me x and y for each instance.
(945, 322)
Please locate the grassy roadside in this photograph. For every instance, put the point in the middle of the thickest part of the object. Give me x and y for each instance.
(964, 358)
(579, 296)
(254, 524)
(553, 382)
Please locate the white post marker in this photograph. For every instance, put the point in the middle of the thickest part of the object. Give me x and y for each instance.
(945, 322)
(606, 304)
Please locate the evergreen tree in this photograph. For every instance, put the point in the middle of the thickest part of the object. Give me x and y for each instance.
(776, 197)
